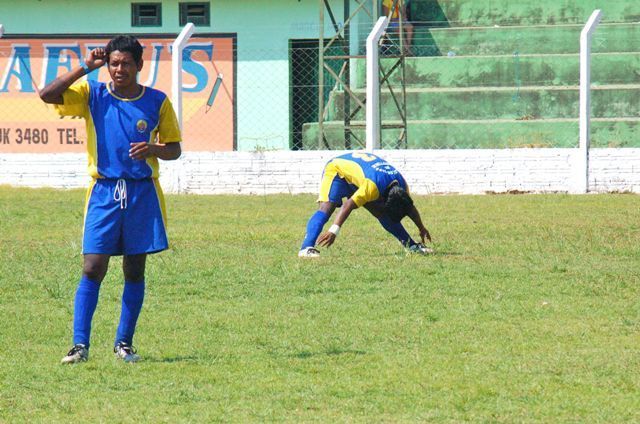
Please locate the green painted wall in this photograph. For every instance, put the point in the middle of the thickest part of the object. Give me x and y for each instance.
(494, 135)
(511, 70)
(520, 12)
(482, 103)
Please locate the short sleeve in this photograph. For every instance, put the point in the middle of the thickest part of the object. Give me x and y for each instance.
(168, 128)
(75, 100)
(367, 192)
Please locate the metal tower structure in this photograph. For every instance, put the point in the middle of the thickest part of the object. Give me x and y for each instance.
(353, 104)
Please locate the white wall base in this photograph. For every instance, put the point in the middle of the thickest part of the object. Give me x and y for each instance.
(427, 171)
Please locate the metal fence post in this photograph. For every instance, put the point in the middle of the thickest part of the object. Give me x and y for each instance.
(176, 68)
(582, 171)
(373, 85)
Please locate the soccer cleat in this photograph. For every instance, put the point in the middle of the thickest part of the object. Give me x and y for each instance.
(78, 353)
(420, 249)
(309, 252)
(126, 352)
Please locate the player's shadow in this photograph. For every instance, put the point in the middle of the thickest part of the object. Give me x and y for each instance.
(444, 253)
(305, 354)
(172, 359)
(439, 253)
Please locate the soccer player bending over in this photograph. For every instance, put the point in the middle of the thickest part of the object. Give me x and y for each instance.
(368, 181)
(129, 127)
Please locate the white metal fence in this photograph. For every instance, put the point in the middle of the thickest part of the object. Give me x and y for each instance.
(491, 106)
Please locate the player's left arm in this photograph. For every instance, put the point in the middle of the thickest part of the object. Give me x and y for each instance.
(417, 219)
(327, 238)
(143, 150)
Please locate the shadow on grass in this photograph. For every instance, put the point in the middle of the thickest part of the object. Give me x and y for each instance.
(437, 253)
(329, 352)
(445, 253)
(172, 359)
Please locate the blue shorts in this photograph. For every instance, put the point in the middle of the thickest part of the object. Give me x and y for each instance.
(333, 188)
(124, 217)
(395, 23)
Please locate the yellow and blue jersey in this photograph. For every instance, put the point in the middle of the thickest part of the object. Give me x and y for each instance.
(369, 176)
(396, 11)
(113, 123)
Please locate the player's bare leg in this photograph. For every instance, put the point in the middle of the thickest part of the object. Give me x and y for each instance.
(95, 267)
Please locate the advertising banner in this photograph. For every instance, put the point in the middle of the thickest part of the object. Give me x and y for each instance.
(28, 125)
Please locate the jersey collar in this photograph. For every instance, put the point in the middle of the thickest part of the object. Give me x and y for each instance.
(125, 99)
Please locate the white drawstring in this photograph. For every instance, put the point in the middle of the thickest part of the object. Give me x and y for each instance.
(120, 193)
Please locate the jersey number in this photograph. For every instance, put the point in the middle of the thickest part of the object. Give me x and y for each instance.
(363, 156)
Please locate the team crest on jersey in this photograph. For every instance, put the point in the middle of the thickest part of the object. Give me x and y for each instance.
(141, 126)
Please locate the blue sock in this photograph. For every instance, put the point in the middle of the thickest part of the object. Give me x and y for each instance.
(314, 227)
(83, 309)
(397, 230)
(132, 298)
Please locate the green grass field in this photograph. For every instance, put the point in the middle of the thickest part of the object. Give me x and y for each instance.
(529, 312)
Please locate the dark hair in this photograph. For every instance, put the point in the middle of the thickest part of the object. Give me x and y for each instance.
(125, 43)
(398, 203)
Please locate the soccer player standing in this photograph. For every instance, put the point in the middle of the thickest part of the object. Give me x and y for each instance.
(129, 126)
(368, 181)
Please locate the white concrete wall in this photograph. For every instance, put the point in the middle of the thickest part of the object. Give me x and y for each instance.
(427, 171)
(614, 170)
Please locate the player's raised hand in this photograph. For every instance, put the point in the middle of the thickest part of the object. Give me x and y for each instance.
(326, 239)
(96, 58)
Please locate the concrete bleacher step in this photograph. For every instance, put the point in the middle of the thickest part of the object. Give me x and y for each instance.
(509, 70)
(537, 102)
(497, 40)
(613, 132)
(490, 12)
(504, 73)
